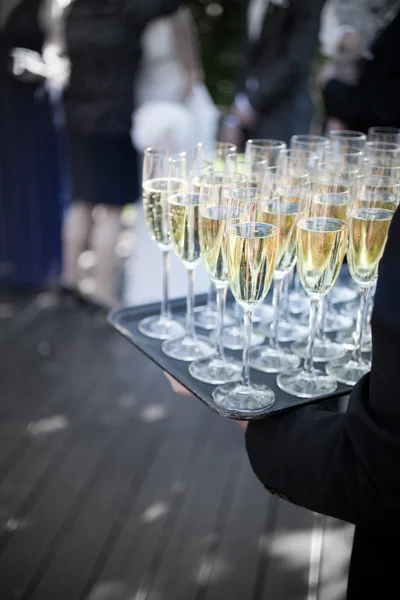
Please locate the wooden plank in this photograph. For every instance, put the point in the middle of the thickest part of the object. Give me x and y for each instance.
(288, 550)
(153, 510)
(185, 564)
(91, 447)
(49, 389)
(335, 559)
(237, 560)
(93, 530)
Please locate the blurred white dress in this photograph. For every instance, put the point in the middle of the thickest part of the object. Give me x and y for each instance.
(169, 94)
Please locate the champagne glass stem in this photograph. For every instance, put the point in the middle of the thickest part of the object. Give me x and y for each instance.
(165, 310)
(286, 299)
(210, 295)
(238, 316)
(309, 361)
(322, 320)
(361, 320)
(248, 326)
(297, 283)
(190, 327)
(221, 302)
(276, 301)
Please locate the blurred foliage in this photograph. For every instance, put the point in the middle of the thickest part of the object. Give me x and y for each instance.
(221, 26)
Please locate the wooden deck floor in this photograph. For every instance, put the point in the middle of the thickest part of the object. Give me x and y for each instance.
(113, 488)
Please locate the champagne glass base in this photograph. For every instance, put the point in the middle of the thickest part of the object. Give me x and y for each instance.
(334, 321)
(215, 371)
(350, 309)
(343, 293)
(205, 317)
(348, 371)
(287, 331)
(324, 349)
(264, 313)
(244, 399)
(160, 328)
(298, 303)
(306, 385)
(232, 338)
(188, 348)
(347, 339)
(271, 360)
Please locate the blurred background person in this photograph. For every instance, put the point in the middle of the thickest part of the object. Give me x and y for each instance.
(361, 80)
(174, 109)
(273, 100)
(103, 44)
(31, 183)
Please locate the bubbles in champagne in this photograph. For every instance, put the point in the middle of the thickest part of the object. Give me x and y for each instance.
(252, 250)
(212, 242)
(368, 234)
(321, 244)
(183, 221)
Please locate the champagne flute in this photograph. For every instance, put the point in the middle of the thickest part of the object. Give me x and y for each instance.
(384, 134)
(252, 245)
(157, 185)
(298, 158)
(273, 358)
(269, 149)
(321, 245)
(316, 144)
(385, 168)
(352, 157)
(339, 200)
(183, 220)
(214, 202)
(347, 140)
(212, 156)
(254, 169)
(370, 215)
(383, 151)
(281, 329)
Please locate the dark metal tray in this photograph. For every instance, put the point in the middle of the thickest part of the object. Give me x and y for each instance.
(125, 320)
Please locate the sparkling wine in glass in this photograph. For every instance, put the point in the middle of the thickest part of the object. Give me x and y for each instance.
(288, 188)
(369, 218)
(337, 207)
(274, 358)
(208, 157)
(214, 203)
(183, 221)
(252, 246)
(157, 186)
(321, 245)
(254, 169)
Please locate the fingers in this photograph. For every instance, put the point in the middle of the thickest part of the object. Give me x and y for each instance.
(177, 387)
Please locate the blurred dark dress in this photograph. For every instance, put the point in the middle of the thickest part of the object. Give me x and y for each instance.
(30, 181)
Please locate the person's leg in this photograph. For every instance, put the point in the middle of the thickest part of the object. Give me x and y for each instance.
(75, 238)
(106, 228)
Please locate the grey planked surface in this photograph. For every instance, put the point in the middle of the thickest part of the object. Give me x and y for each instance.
(113, 488)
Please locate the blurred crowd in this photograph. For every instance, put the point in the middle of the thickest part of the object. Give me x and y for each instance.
(86, 86)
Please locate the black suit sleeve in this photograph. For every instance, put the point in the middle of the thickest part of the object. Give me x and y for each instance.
(345, 465)
(374, 100)
(277, 82)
